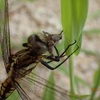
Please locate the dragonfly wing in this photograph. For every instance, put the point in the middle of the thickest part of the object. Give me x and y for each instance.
(40, 84)
(35, 85)
(5, 34)
(21, 92)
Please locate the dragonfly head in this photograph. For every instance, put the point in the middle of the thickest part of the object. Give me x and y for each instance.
(52, 38)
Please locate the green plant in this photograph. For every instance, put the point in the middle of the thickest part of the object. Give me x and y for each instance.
(73, 14)
(49, 93)
(96, 85)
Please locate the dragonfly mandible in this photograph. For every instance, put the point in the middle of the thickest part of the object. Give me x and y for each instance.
(34, 52)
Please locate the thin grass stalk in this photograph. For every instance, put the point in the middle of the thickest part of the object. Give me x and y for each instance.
(71, 74)
(96, 84)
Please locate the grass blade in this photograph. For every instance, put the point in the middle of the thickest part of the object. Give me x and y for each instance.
(48, 91)
(73, 16)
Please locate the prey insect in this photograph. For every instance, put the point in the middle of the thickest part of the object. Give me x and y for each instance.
(18, 65)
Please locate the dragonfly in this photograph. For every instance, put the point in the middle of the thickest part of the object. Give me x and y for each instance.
(38, 49)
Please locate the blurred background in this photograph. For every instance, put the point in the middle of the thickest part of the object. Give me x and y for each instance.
(32, 16)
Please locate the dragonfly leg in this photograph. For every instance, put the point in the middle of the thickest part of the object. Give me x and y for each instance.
(57, 59)
(62, 55)
(47, 65)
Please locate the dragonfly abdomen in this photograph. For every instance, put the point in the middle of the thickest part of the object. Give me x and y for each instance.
(7, 88)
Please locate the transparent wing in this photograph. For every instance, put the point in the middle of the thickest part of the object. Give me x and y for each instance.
(21, 92)
(5, 33)
(34, 86)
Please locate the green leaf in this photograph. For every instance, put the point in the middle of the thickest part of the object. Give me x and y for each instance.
(0, 51)
(96, 83)
(1, 17)
(14, 96)
(73, 15)
(49, 94)
(96, 76)
(1, 5)
(80, 96)
(92, 31)
(90, 52)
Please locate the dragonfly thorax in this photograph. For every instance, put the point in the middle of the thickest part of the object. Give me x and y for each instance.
(42, 43)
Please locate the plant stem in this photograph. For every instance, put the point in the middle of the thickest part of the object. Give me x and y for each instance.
(71, 72)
